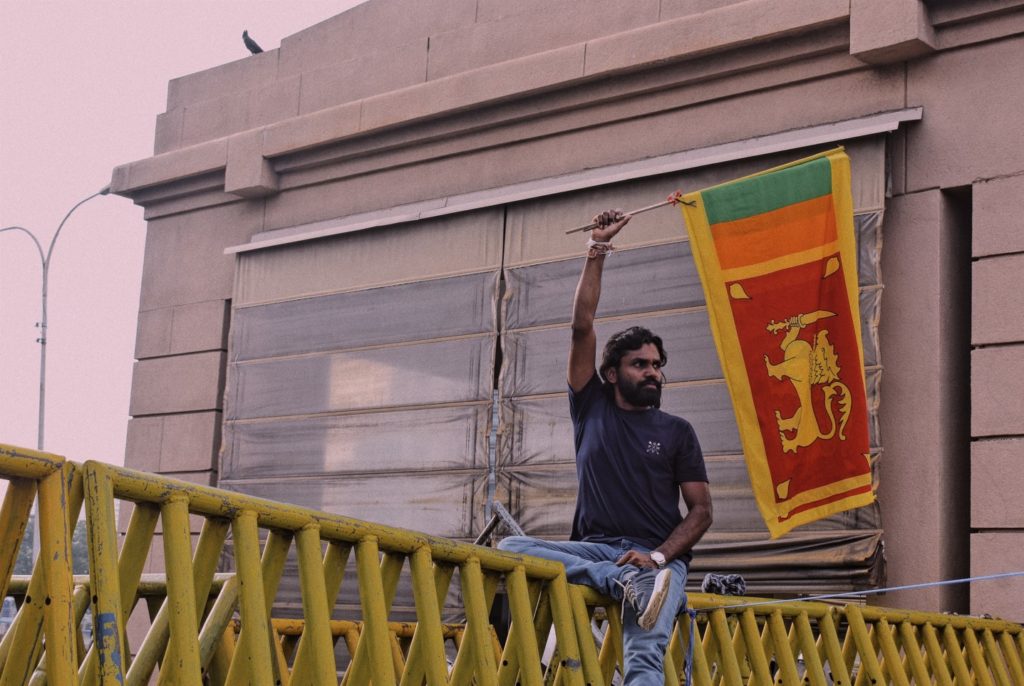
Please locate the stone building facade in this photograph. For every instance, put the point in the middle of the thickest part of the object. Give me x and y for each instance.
(437, 121)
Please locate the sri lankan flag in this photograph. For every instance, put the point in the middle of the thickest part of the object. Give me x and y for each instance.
(777, 257)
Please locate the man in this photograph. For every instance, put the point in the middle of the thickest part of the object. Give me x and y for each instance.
(629, 539)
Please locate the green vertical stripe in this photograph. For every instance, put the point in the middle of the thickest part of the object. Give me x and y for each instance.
(768, 192)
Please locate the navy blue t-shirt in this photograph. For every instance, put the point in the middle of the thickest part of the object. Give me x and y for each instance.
(629, 465)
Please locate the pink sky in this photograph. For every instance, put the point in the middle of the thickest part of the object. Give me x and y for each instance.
(81, 86)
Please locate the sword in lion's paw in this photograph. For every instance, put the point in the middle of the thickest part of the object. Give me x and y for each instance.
(799, 322)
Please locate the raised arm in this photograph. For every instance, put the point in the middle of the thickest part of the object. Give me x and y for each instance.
(583, 346)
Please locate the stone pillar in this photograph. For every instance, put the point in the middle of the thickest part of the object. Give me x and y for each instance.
(924, 480)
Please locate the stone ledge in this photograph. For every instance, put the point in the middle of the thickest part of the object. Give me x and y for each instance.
(513, 79)
(570, 112)
(723, 29)
(170, 166)
(943, 14)
(588, 178)
(309, 130)
(633, 50)
(681, 39)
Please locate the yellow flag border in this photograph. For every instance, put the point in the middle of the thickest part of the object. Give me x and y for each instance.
(723, 330)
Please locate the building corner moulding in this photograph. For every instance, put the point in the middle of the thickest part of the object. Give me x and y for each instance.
(248, 174)
(241, 165)
(239, 158)
(245, 158)
(889, 31)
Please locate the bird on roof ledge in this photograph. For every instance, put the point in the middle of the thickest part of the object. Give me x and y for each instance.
(253, 46)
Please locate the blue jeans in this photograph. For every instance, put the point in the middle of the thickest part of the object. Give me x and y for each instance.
(593, 565)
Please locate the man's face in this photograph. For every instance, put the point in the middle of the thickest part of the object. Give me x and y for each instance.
(638, 376)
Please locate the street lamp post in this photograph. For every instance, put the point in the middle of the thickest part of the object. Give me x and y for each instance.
(44, 259)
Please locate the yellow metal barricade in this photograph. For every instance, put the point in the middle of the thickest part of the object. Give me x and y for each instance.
(740, 640)
(210, 628)
(47, 610)
(190, 637)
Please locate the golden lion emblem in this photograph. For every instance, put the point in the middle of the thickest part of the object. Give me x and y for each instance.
(807, 365)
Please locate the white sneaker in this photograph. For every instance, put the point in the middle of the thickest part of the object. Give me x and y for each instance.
(645, 591)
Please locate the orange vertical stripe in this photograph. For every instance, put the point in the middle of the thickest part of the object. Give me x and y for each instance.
(787, 230)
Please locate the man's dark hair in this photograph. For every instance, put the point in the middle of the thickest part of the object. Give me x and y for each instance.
(623, 342)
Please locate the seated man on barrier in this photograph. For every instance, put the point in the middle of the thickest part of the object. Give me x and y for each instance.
(629, 538)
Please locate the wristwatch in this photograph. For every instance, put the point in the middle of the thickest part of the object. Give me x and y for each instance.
(659, 559)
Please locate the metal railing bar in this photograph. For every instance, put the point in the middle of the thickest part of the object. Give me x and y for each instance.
(14, 518)
(745, 643)
(251, 662)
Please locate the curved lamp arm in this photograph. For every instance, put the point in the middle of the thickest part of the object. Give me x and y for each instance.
(53, 241)
(39, 246)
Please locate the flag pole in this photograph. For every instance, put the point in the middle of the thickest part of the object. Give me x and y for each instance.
(673, 199)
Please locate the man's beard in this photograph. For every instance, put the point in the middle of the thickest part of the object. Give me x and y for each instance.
(645, 394)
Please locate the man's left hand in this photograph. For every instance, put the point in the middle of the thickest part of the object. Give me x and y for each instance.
(637, 559)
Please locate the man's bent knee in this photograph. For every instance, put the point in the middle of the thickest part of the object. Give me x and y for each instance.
(516, 544)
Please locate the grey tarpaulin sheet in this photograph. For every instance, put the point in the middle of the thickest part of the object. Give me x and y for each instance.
(424, 310)
(361, 374)
(442, 438)
(439, 500)
(403, 253)
(420, 373)
(360, 378)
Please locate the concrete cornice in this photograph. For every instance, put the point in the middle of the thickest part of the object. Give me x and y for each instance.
(882, 122)
(718, 31)
(707, 48)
